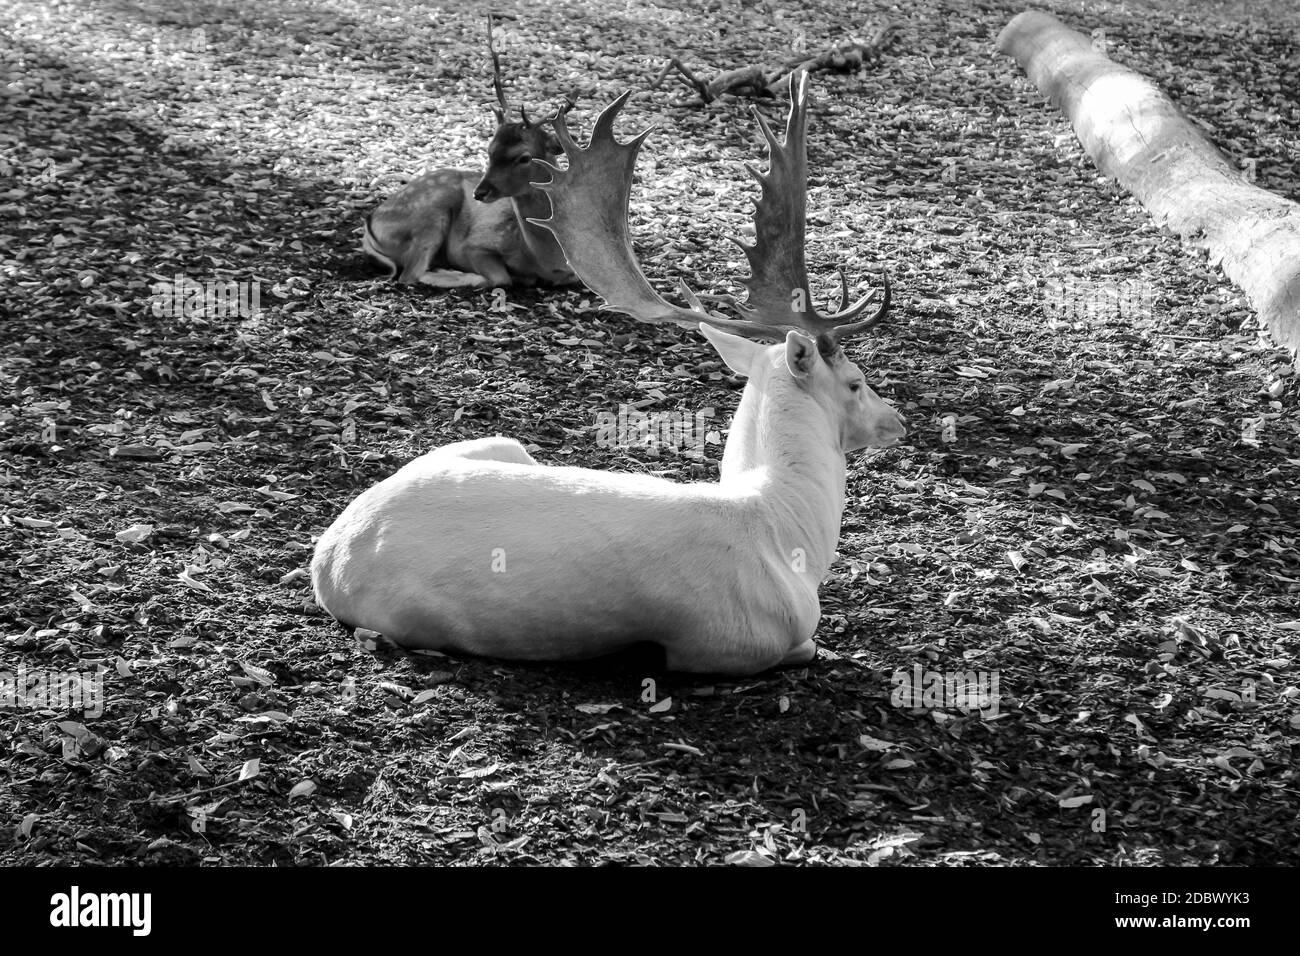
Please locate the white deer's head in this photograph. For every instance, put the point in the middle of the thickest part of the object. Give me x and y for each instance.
(589, 203)
(814, 373)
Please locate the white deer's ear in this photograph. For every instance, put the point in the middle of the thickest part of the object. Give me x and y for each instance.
(736, 351)
(800, 354)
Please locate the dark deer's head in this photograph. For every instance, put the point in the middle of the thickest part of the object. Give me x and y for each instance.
(511, 153)
(515, 145)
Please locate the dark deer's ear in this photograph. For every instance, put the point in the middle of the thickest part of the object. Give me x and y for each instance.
(501, 117)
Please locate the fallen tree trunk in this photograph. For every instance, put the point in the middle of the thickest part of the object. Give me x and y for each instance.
(1138, 136)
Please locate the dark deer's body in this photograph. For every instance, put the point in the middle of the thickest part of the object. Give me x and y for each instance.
(436, 232)
(453, 228)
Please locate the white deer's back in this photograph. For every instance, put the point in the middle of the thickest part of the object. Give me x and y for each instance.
(551, 563)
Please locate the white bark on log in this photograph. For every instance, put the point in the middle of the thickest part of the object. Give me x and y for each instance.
(1138, 136)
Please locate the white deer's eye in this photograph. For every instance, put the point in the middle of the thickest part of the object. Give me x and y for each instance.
(855, 387)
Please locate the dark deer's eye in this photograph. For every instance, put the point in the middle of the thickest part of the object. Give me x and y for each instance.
(525, 158)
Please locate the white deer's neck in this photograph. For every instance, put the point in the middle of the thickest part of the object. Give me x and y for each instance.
(782, 447)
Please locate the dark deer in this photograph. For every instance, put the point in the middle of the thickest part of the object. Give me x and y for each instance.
(449, 228)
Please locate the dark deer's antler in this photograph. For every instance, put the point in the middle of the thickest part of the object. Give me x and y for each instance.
(502, 109)
(570, 101)
(589, 203)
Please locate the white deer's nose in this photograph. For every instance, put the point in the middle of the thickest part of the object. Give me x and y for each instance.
(893, 428)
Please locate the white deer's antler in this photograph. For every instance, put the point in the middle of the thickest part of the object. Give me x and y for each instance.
(589, 219)
(589, 202)
(778, 285)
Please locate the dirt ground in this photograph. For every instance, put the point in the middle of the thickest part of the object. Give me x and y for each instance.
(1097, 505)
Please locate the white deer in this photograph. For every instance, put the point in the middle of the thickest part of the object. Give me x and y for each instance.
(476, 547)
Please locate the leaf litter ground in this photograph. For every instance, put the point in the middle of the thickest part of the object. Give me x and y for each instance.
(1097, 504)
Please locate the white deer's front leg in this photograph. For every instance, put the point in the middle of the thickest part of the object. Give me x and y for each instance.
(752, 653)
(800, 654)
